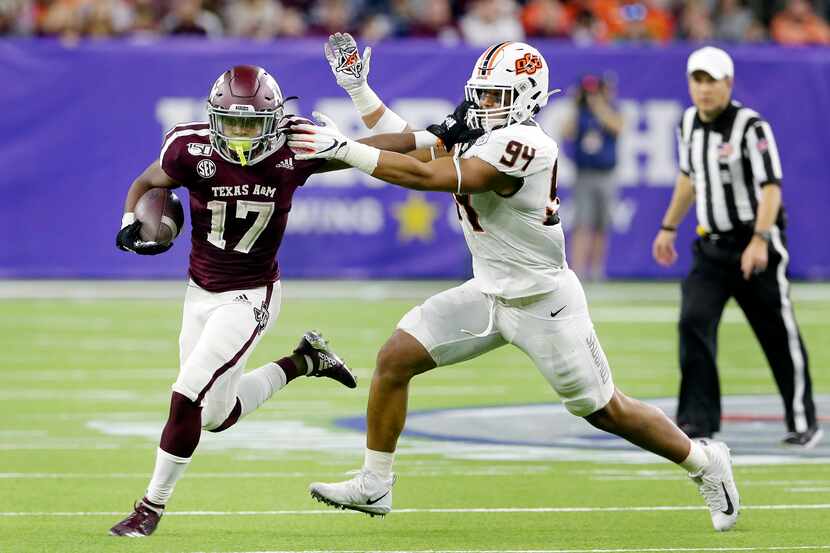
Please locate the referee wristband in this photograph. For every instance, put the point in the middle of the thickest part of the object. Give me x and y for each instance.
(668, 228)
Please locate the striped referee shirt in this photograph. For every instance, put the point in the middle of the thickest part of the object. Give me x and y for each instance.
(728, 161)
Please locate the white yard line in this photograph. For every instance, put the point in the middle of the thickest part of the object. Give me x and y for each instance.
(616, 550)
(490, 471)
(477, 510)
(344, 289)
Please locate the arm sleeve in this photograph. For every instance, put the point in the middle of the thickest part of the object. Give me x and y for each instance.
(389, 122)
(763, 153)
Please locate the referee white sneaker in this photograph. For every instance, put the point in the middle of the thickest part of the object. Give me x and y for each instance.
(366, 492)
(717, 486)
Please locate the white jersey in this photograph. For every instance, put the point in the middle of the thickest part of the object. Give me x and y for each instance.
(517, 243)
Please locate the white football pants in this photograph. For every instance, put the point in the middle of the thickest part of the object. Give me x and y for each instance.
(219, 332)
(553, 329)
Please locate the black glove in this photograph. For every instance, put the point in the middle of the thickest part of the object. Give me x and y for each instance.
(454, 129)
(129, 240)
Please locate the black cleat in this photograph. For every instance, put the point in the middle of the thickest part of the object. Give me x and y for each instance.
(322, 361)
(803, 440)
(141, 522)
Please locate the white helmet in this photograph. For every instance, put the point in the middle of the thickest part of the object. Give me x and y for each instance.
(515, 75)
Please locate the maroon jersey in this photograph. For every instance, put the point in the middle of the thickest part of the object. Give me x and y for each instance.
(238, 214)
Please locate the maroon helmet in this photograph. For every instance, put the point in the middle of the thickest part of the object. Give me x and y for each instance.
(244, 107)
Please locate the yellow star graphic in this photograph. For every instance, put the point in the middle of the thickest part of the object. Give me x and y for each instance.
(416, 217)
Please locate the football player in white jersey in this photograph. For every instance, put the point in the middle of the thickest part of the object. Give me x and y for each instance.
(522, 293)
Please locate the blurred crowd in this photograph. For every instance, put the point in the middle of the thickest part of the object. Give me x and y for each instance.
(478, 22)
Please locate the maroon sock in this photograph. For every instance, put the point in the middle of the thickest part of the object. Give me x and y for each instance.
(290, 368)
(184, 427)
(232, 418)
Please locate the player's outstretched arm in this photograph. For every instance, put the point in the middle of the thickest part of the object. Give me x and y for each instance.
(128, 237)
(468, 176)
(448, 174)
(439, 138)
(437, 141)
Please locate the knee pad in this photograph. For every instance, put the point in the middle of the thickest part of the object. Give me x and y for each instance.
(214, 413)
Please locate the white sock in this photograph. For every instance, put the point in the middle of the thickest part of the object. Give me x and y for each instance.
(697, 459)
(258, 385)
(169, 469)
(379, 462)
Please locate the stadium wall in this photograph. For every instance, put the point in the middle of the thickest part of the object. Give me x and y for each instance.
(81, 122)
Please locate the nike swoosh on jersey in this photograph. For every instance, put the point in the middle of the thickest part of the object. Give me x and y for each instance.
(555, 313)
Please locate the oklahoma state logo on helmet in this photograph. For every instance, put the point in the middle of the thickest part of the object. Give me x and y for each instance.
(529, 63)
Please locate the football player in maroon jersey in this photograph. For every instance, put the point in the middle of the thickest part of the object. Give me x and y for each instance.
(241, 177)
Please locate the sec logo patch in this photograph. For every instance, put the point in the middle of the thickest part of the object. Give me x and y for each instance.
(206, 168)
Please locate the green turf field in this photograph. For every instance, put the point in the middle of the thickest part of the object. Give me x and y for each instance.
(86, 388)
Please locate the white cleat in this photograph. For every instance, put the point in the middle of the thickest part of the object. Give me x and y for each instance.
(717, 486)
(366, 492)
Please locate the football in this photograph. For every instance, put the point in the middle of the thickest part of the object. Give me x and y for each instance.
(161, 215)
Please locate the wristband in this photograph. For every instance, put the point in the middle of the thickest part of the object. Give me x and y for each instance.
(668, 228)
(364, 99)
(127, 219)
(360, 156)
(764, 235)
(425, 139)
(389, 122)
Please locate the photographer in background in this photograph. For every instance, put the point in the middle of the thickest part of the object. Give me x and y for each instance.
(593, 129)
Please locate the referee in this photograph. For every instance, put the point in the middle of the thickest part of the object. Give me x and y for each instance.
(730, 170)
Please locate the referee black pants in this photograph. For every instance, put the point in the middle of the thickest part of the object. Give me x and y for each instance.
(764, 298)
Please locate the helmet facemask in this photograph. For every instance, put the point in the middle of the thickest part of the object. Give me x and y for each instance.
(492, 106)
(243, 135)
(499, 106)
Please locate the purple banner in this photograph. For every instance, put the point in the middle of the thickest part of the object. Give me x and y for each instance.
(80, 123)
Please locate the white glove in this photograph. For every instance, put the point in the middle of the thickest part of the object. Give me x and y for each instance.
(351, 71)
(325, 141)
(291, 120)
(349, 68)
(309, 141)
